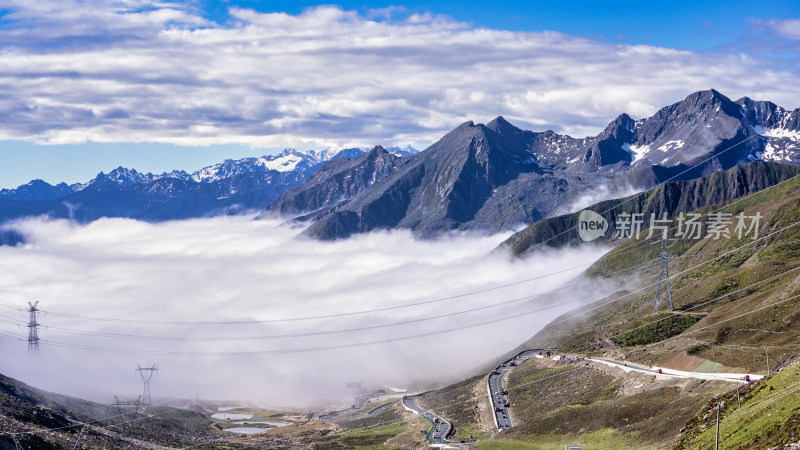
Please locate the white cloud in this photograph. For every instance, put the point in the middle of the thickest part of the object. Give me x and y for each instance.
(789, 29)
(599, 194)
(140, 72)
(233, 268)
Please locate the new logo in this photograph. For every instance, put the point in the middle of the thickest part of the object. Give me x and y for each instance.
(591, 225)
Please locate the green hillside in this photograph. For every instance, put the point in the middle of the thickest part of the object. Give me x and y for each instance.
(722, 291)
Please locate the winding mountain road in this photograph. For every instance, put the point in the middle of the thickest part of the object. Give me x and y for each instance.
(441, 428)
(498, 395)
(361, 402)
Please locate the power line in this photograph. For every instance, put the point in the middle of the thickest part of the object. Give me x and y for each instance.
(307, 334)
(674, 275)
(710, 301)
(359, 344)
(663, 288)
(616, 251)
(318, 317)
(311, 349)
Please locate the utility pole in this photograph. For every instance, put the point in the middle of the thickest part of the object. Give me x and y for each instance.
(663, 288)
(716, 442)
(33, 327)
(146, 400)
(739, 399)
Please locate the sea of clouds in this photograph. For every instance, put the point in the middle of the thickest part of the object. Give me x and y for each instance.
(229, 308)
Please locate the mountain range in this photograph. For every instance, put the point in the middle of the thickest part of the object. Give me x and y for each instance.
(491, 177)
(228, 187)
(497, 177)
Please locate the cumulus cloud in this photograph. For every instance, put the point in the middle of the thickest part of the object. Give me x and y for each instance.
(235, 269)
(111, 71)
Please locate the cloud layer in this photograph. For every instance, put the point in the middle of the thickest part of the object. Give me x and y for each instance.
(236, 269)
(139, 71)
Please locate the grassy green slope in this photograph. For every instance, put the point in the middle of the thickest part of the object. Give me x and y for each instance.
(768, 417)
(714, 300)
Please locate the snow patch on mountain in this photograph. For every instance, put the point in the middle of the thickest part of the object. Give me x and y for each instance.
(778, 133)
(637, 151)
(671, 145)
(284, 163)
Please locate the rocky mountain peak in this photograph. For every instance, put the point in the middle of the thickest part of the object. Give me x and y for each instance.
(500, 125)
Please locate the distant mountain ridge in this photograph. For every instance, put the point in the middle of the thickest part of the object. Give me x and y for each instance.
(286, 161)
(229, 187)
(496, 176)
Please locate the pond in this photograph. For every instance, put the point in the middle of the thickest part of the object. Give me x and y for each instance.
(247, 430)
(274, 424)
(226, 416)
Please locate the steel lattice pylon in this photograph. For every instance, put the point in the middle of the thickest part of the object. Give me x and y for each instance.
(146, 381)
(33, 327)
(123, 410)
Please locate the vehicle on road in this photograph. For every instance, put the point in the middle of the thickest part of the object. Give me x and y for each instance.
(659, 371)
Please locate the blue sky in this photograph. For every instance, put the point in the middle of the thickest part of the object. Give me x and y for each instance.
(675, 24)
(157, 86)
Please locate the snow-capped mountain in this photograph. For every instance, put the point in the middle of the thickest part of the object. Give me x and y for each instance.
(302, 162)
(286, 161)
(228, 187)
(336, 181)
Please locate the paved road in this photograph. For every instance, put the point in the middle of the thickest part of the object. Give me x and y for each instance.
(732, 377)
(380, 409)
(498, 395)
(360, 403)
(441, 428)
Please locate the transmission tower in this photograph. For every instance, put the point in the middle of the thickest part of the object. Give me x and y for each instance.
(33, 327)
(663, 288)
(123, 407)
(147, 375)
